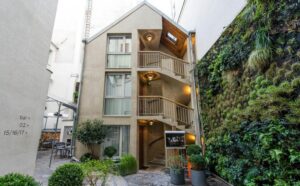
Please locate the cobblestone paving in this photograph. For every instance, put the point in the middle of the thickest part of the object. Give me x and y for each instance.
(146, 178)
(153, 176)
(158, 177)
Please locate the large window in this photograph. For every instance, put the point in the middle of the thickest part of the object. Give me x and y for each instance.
(118, 137)
(119, 51)
(118, 94)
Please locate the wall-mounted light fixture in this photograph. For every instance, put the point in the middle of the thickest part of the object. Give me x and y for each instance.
(148, 36)
(151, 123)
(150, 76)
(187, 90)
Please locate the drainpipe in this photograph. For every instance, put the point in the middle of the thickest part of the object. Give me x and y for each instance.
(196, 96)
(79, 94)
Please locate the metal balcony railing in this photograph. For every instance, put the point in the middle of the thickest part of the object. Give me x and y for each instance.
(161, 106)
(157, 59)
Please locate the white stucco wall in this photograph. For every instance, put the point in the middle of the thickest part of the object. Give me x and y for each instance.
(209, 18)
(66, 67)
(25, 33)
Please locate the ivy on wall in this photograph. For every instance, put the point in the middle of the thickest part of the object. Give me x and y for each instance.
(250, 96)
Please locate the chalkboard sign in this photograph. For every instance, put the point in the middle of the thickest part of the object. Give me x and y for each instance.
(175, 139)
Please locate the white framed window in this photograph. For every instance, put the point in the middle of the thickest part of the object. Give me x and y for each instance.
(117, 94)
(118, 137)
(119, 51)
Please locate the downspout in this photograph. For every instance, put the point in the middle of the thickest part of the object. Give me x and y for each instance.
(196, 97)
(79, 93)
(85, 36)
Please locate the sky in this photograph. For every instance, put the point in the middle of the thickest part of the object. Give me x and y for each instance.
(107, 11)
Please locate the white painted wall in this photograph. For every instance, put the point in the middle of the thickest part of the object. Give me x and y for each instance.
(66, 66)
(208, 18)
(25, 33)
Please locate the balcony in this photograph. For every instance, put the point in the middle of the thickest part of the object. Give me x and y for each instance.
(166, 109)
(165, 63)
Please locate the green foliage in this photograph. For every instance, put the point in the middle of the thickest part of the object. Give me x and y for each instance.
(16, 179)
(198, 162)
(86, 157)
(176, 162)
(259, 58)
(91, 132)
(128, 165)
(95, 170)
(110, 151)
(296, 68)
(69, 174)
(75, 96)
(273, 102)
(258, 153)
(249, 84)
(193, 149)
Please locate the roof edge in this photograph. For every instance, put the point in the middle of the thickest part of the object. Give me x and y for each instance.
(128, 14)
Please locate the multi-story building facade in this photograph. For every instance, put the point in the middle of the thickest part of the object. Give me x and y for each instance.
(137, 78)
(25, 35)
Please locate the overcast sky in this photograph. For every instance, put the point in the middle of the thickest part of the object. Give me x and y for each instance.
(107, 11)
(71, 15)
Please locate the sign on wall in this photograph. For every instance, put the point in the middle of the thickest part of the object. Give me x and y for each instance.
(175, 139)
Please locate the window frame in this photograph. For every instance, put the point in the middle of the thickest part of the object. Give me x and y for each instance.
(172, 38)
(120, 127)
(117, 97)
(124, 36)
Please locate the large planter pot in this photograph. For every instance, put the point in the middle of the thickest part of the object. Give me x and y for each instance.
(177, 176)
(198, 178)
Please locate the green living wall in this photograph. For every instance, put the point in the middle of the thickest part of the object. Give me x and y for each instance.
(249, 85)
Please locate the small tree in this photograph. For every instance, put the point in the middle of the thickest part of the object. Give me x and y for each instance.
(91, 132)
(95, 170)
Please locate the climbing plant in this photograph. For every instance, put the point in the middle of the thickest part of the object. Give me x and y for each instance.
(249, 84)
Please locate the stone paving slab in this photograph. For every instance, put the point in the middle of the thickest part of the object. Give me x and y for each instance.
(146, 178)
(154, 176)
(42, 170)
(161, 178)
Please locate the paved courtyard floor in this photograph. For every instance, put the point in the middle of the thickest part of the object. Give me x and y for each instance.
(157, 176)
(153, 176)
(42, 171)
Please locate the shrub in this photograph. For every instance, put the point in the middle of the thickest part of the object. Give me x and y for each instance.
(128, 165)
(69, 174)
(16, 179)
(86, 157)
(176, 161)
(193, 149)
(91, 132)
(95, 170)
(110, 151)
(197, 161)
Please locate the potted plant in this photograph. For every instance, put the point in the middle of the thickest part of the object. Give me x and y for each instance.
(176, 164)
(198, 165)
(198, 168)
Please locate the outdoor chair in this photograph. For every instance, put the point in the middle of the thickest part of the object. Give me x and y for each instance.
(60, 147)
